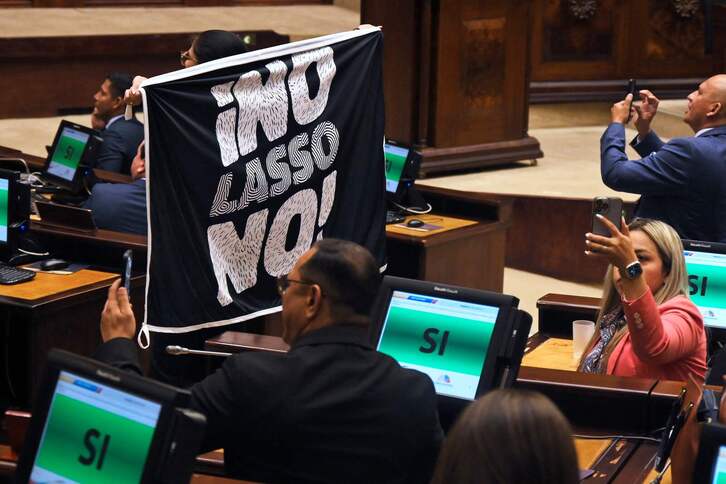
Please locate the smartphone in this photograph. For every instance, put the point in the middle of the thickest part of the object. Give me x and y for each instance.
(126, 270)
(632, 89)
(609, 207)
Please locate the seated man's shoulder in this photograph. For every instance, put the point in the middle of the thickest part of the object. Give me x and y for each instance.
(258, 365)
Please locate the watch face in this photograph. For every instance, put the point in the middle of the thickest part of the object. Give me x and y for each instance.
(634, 270)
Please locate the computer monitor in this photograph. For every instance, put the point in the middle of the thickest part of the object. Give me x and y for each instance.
(94, 423)
(74, 148)
(465, 340)
(710, 464)
(706, 267)
(13, 216)
(402, 165)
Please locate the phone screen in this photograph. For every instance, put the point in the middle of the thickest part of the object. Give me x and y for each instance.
(126, 270)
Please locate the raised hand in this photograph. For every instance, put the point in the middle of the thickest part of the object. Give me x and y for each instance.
(646, 111)
(620, 112)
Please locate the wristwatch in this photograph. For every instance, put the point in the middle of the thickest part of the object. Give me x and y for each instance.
(633, 270)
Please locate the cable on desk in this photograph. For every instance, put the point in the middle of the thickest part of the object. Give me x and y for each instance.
(39, 254)
(414, 210)
(620, 437)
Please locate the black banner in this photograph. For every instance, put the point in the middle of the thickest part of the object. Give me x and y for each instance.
(252, 158)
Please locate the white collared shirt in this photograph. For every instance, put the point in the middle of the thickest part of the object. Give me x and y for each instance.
(112, 120)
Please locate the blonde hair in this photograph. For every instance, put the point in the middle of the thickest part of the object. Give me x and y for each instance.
(670, 251)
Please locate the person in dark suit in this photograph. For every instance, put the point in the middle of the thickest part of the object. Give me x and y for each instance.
(332, 409)
(682, 182)
(120, 136)
(122, 206)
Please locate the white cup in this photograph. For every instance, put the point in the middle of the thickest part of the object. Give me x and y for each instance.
(582, 331)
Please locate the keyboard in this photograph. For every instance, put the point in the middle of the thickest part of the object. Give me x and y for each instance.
(13, 275)
(393, 217)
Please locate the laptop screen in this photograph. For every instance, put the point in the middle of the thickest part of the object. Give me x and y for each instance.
(94, 433)
(707, 284)
(447, 339)
(67, 153)
(719, 469)
(396, 157)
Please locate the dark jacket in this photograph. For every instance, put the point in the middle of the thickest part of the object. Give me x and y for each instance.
(119, 206)
(120, 142)
(682, 182)
(331, 410)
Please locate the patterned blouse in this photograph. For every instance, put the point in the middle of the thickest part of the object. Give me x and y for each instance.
(611, 323)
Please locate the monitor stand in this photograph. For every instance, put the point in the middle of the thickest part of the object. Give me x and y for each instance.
(413, 199)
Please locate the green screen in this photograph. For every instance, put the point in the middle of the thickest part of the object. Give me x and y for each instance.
(4, 199)
(707, 285)
(395, 162)
(442, 338)
(96, 440)
(69, 151)
(719, 472)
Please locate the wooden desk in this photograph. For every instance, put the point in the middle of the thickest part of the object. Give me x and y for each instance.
(9, 462)
(553, 353)
(37, 163)
(468, 254)
(102, 247)
(51, 311)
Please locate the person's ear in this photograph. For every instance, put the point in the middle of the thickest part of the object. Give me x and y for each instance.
(716, 110)
(314, 301)
(118, 101)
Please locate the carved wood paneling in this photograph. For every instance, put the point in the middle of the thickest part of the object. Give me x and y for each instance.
(456, 79)
(613, 40)
(572, 44)
(152, 3)
(672, 40)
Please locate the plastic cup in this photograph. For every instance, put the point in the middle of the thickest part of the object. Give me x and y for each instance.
(582, 331)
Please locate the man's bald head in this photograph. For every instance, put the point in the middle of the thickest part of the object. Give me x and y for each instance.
(707, 104)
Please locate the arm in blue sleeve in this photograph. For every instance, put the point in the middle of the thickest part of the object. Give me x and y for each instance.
(650, 143)
(111, 154)
(665, 171)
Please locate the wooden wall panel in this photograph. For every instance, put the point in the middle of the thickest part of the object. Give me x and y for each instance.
(568, 47)
(586, 49)
(403, 60)
(152, 3)
(672, 43)
(48, 76)
(456, 79)
(481, 70)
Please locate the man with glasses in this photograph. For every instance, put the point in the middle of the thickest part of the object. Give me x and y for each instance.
(330, 410)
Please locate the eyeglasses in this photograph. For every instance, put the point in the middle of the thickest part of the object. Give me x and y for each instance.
(283, 282)
(185, 56)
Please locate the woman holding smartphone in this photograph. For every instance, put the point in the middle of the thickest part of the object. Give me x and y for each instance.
(647, 325)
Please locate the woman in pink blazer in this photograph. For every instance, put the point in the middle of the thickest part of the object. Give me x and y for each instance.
(647, 325)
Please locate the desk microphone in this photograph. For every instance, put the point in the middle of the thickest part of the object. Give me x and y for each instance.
(180, 350)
